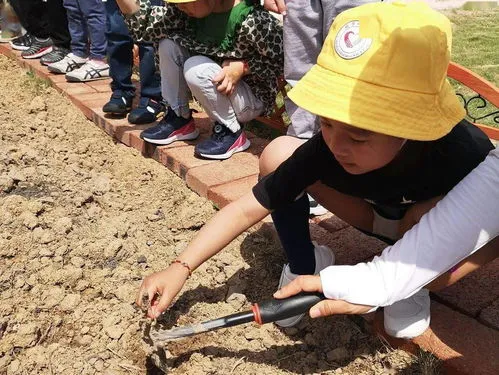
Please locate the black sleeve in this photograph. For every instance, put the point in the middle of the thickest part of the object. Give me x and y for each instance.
(460, 152)
(293, 176)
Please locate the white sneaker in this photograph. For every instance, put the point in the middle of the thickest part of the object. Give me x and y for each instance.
(69, 63)
(315, 208)
(324, 257)
(91, 71)
(409, 317)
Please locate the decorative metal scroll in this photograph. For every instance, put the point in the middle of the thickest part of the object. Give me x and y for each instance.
(476, 109)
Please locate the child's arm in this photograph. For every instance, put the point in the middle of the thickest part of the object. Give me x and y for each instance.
(226, 225)
(148, 23)
(267, 43)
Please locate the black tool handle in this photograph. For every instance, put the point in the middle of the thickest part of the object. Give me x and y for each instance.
(277, 309)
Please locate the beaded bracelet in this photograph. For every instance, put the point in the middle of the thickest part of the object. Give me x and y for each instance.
(184, 264)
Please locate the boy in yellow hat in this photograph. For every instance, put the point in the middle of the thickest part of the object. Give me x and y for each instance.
(393, 142)
(227, 54)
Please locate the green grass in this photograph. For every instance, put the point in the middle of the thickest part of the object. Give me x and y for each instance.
(474, 46)
(476, 40)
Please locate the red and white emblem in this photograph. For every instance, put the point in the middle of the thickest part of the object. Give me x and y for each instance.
(348, 44)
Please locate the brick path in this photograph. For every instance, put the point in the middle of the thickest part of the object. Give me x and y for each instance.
(464, 329)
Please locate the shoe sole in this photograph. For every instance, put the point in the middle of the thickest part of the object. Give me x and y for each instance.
(55, 70)
(167, 141)
(39, 54)
(74, 79)
(115, 113)
(18, 48)
(228, 154)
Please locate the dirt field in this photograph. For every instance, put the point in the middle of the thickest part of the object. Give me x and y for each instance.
(83, 219)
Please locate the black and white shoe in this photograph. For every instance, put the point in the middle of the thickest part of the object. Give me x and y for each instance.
(39, 48)
(119, 104)
(90, 71)
(22, 43)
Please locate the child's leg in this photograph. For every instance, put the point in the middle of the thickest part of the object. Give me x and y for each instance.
(291, 222)
(58, 24)
(94, 14)
(77, 28)
(173, 84)
(31, 15)
(229, 111)
(481, 257)
(120, 44)
(150, 79)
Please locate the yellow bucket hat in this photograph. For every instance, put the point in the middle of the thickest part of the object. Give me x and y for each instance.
(383, 68)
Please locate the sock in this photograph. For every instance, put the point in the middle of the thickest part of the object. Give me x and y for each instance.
(291, 223)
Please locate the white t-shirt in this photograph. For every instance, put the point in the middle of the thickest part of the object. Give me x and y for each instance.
(466, 219)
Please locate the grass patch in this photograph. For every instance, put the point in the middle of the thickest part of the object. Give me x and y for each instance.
(475, 41)
(35, 83)
(474, 46)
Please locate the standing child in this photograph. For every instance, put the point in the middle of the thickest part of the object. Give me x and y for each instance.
(86, 61)
(120, 57)
(47, 34)
(228, 54)
(393, 142)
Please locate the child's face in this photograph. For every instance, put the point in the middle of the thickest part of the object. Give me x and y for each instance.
(198, 8)
(359, 151)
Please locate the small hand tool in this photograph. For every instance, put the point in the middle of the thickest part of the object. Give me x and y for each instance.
(265, 312)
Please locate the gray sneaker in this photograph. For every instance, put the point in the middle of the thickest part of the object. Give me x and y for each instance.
(69, 63)
(90, 71)
(324, 257)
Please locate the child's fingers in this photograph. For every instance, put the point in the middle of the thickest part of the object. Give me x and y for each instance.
(334, 307)
(305, 283)
(160, 305)
(219, 77)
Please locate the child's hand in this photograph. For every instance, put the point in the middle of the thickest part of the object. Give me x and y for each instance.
(277, 6)
(323, 308)
(415, 213)
(232, 71)
(159, 289)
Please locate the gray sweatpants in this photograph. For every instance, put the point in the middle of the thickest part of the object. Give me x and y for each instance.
(183, 74)
(306, 26)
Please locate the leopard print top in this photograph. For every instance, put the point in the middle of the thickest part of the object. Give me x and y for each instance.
(258, 41)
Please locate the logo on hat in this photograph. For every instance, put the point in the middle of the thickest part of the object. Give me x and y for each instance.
(348, 44)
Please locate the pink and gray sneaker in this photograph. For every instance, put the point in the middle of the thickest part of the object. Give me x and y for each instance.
(222, 144)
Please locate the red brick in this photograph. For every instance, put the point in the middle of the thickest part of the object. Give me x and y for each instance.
(78, 89)
(181, 159)
(82, 106)
(102, 85)
(465, 346)
(224, 194)
(57, 78)
(349, 245)
(242, 164)
(146, 149)
(94, 96)
(475, 291)
(490, 314)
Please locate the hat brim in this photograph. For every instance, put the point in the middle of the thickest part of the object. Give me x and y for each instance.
(398, 113)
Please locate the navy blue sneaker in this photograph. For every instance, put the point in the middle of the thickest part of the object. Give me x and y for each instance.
(119, 104)
(170, 129)
(222, 144)
(148, 110)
